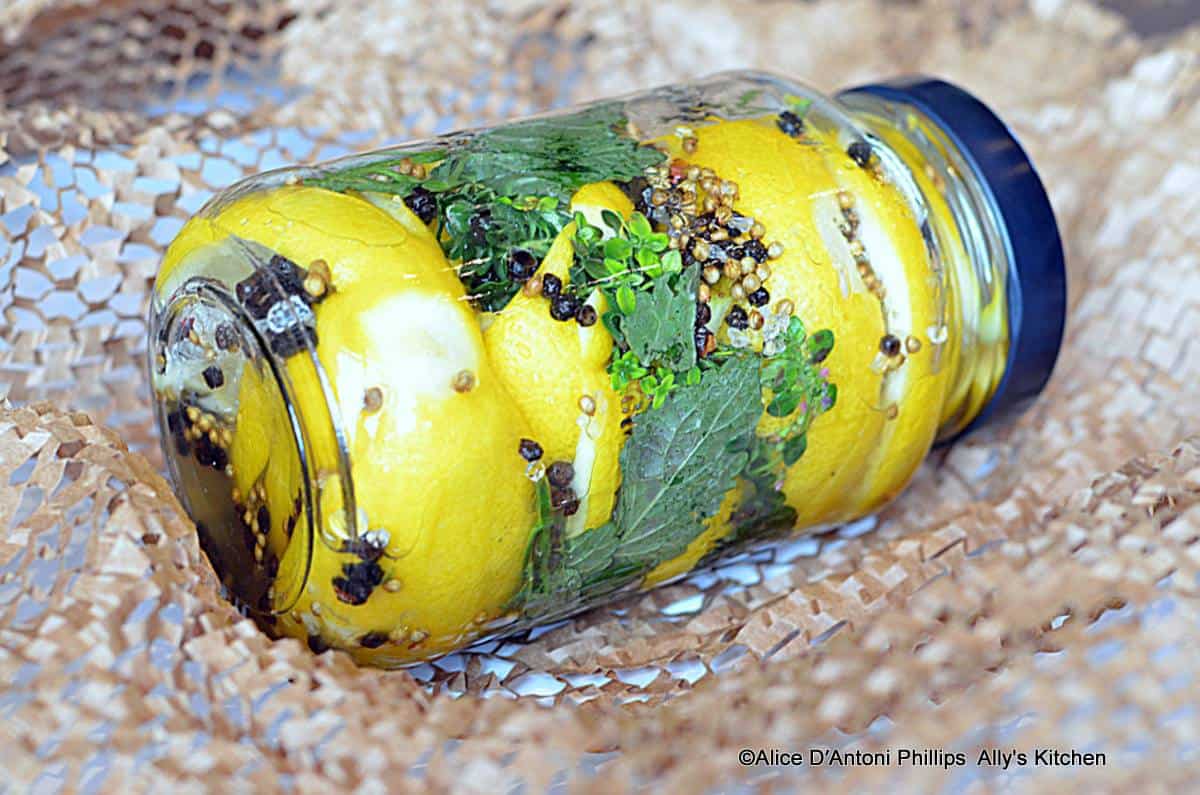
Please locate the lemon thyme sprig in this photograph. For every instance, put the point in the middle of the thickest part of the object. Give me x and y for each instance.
(798, 386)
(622, 262)
(795, 384)
(651, 298)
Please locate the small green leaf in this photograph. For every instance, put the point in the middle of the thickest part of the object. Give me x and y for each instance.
(658, 241)
(672, 261)
(646, 258)
(693, 376)
(819, 345)
(796, 104)
(626, 300)
(784, 403)
(611, 220)
(793, 448)
(639, 226)
(662, 327)
(617, 248)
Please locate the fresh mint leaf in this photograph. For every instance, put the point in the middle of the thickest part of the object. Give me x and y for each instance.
(659, 329)
(677, 466)
(680, 461)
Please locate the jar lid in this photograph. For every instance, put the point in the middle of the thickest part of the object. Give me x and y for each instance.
(1037, 277)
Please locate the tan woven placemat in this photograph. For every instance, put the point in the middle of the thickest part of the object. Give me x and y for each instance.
(1036, 587)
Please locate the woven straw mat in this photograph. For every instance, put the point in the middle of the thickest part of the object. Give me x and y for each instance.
(1037, 586)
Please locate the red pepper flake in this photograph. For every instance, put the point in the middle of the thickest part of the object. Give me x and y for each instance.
(678, 170)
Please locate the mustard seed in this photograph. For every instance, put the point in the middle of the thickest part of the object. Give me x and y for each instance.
(463, 382)
(373, 399)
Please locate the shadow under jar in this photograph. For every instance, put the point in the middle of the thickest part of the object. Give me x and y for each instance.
(452, 389)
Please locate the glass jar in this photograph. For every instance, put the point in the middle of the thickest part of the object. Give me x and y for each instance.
(448, 390)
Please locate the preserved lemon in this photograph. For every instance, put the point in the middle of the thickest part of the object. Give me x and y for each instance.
(445, 391)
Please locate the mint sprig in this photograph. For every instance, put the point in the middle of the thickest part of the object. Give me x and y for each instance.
(676, 468)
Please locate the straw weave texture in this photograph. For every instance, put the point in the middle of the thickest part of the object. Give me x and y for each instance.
(1038, 585)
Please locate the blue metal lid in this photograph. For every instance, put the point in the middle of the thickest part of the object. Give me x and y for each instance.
(1037, 277)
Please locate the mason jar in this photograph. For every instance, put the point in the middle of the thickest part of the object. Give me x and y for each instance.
(448, 390)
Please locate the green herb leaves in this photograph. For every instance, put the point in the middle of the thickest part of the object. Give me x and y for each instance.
(682, 459)
(480, 229)
(510, 187)
(379, 176)
(553, 156)
(798, 385)
(653, 300)
(676, 468)
(659, 329)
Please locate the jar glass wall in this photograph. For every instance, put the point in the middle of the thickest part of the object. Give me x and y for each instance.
(459, 387)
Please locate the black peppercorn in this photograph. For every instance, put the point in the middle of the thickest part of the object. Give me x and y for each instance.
(210, 455)
(357, 582)
(291, 340)
(564, 500)
(422, 202)
(529, 450)
(642, 203)
(759, 297)
(257, 295)
(737, 318)
(362, 547)
(373, 640)
(890, 345)
(586, 316)
(755, 248)
(478, 226)
(571, 506)
(563, 306)
(521, 265)
(226, 337)
(703, 314)
(560, 474)
(860, 152)
(288, 274)
(214, 377)
(551, 285)
(790, 124)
